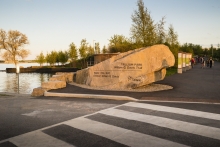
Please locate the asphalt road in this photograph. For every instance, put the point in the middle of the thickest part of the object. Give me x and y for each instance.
(28, 121)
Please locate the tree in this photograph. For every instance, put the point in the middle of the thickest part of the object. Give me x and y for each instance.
(143, 28)
(62, 57)
(90, 51)
(161, 34)
(172, 42)
(40, 59)
(52, 58)
(119, 43)
(13, 42)
(104, 50)
(97, 48)
(83, 51)
(72, 53)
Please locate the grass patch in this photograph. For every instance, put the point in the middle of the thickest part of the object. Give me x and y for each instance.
(171, 71)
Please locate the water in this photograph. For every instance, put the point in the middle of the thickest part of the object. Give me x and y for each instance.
(23, 83)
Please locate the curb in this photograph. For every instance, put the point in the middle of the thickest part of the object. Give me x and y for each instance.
(73, 95)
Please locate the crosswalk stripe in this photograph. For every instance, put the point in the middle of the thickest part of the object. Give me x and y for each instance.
(175, 110)
(181, 117)
(120, 135)
(38, 139)
(165, 122)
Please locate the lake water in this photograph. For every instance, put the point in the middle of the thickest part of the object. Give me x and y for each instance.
(27, 81)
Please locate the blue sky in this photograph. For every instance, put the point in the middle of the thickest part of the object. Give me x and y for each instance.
(54, 24)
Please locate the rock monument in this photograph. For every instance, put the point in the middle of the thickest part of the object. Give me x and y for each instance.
(131, 69)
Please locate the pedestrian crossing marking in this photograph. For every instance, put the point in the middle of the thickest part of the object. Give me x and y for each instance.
(126, 135)
(38, 139)
(166, 122)
(121, 135)
(175, 110)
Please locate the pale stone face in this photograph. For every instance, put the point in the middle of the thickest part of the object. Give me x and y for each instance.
(130, 69)
(67, 75)
(38, 91)
(57, 78)
(53, 84)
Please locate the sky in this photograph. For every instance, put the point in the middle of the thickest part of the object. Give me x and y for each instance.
(55, 24)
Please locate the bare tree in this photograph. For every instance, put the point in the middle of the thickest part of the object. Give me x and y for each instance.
(13, 43)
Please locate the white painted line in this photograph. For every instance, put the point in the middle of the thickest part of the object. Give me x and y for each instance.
(123, 136)
(188, 102)
(168, 123)
(38, 139)
(175, 110)
(112, 97)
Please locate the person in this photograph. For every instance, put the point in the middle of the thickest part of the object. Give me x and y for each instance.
(210, 62)
(207, 62)
(202, 62)
(192, 62)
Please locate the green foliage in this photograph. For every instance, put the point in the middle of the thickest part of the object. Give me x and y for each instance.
(143, 29)
(161, 34)
(83, 50)
(90, 51)
(40, 59)
(51, 58)
(171, 71)
(62, 57)
(72, 53)
(97, 48)
(104, 50)
(172, 43)
(119, 43)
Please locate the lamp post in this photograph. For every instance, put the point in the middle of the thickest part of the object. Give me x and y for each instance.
(94, 46)
(17, 72)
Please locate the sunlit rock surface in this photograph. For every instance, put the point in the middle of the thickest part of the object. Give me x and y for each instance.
(67, 75)
(53, 84)
(130, 69)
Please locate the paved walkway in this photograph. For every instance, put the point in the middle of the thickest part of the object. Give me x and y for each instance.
(135, 124)
(197, 85)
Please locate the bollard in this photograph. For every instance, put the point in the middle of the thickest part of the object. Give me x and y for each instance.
(190, 57)
(184, 62)
(187, 61)
(180, 60)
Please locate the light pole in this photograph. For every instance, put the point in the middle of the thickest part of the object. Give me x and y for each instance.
(17, 72)
(94, 46)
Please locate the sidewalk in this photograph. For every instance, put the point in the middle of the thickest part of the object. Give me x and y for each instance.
(195, 85)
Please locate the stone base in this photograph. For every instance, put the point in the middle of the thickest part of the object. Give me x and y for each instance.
(53, 84)
(179, 70)
(57, 78)
(68, 76)
(184, 69)
(38, 91)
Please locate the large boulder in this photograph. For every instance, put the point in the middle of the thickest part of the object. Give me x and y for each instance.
(130, 69)
(38, 91)
(53, 84)
(58, 78)
(68, 75)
